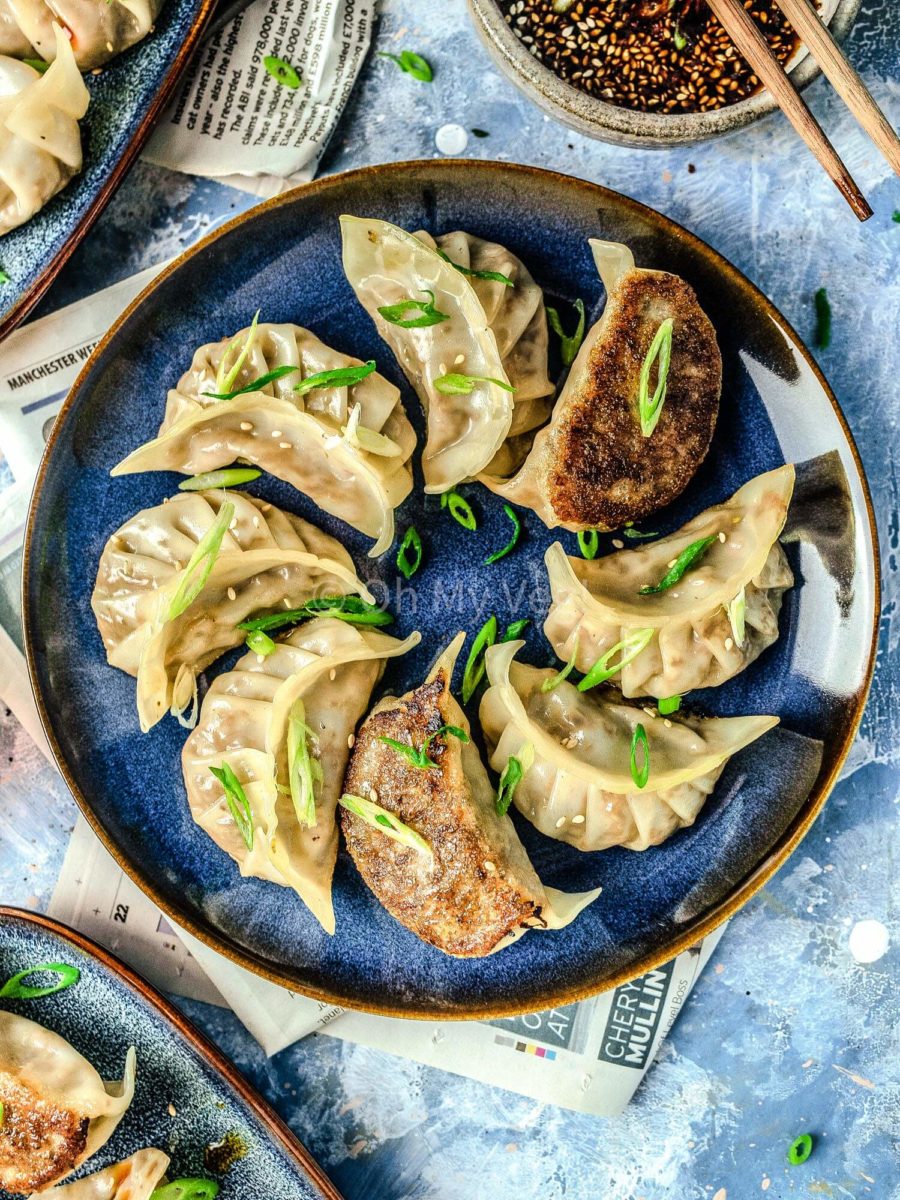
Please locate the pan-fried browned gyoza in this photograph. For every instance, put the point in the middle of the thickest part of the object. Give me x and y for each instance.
(40, 1140)
(593, 466)
(477, 888)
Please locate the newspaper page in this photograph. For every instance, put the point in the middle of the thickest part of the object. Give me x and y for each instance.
(232, 119)
(589, 1057)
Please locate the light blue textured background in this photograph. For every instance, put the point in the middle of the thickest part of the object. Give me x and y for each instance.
(785, 1032)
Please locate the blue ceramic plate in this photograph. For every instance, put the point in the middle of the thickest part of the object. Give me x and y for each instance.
(126, 98)
(187, 1096)
(285, 258)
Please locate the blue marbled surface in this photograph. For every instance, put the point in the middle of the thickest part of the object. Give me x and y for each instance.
(786, 1031)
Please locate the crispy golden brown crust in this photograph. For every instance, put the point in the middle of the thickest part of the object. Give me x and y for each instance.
(603, 471)
(39, 1142)
(465, 900)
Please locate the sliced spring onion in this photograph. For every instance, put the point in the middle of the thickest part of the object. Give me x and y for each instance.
(282, 71)
(800, 1149)
(515, 768)
(2, 1112)
(15, 989)
(345, 608)
(823, 319)
(630, 532)
(226, 478)
(737, 616)
(236, 799)
(368, 440)
(382, 820)
(641, 774)
(603, 669)
(669, 705)
(510, 545)
(555, 680)
(455, 384)
(429, 315)
(660, 352)
(460, 509)
(225, 375)
(4, 277)
(568, 346)
(201, 563)
(419, 758)
(679, 39)
(474, 669)
(36, 64)
(411, 64)
(588, 543)
(686, 561)
(260, 643)
(339, 377)
(515, 629)
(191, 1188)
(256, 385)
(409, 556)
(489, 276)
(304, 771)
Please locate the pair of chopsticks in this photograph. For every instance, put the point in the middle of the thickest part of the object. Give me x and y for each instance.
(814, 34)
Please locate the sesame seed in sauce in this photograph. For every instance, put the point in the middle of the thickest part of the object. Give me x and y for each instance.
(627, 51)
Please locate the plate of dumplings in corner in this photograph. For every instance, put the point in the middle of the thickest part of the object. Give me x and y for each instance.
(468, 610)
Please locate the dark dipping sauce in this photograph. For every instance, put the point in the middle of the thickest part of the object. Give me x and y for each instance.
(666, 56)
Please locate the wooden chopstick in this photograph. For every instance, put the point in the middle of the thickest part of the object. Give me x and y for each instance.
(742, 30)
(816, 36)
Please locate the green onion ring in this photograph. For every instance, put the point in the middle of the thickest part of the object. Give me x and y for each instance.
(14, 989)
(642, 774)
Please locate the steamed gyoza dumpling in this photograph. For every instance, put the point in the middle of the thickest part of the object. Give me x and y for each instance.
(346, 447)
(259, 560)
(476, 327)
(134, 1178)
(40, 142)
(457, 876)
(283, 724)
(575, 749)
(600, 463)
(57, 1111)
(98, 29)
(702, 630)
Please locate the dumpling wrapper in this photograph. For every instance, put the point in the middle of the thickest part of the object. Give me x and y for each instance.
(477, 891)
(134, 1178)
(268, 559)
(40, 141)
(48, 1088)
(332, 667)
(99, 29)
(596, 604)
(491, 331)
(297, 438)
(579, 788)
(592, 467)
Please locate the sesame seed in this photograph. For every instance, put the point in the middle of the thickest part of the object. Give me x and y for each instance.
(246, 426)
(722, 538)
(351, 741)
(560, 822)
(618, 543)
(332, 674)
(489, 866)
(172, 1111)
(578, 820)
(232, 594)
(729, 643)
(276, 433)
(285, 445)
(667, 723)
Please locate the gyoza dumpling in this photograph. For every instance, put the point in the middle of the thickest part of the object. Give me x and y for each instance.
(704, 629)
(134, 1178)
(265, 559)
(347, 448)
(579, 786)
(98, 29)
(598, 464)
(459, 878)
(57, 1111)
(482, 328)
(40, 142)
(283, 724)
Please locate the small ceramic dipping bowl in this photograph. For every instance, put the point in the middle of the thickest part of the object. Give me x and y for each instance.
(624, 126)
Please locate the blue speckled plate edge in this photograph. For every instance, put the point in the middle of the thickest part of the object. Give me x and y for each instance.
(693, 931)
(16, 313)
(183, 1029)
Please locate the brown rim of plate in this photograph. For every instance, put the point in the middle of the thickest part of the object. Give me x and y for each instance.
(197, 1040)
(26, 302)
(699, 928)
